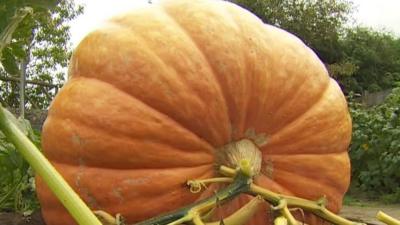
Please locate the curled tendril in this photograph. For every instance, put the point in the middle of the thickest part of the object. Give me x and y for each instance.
(195, 186)
(108, 219)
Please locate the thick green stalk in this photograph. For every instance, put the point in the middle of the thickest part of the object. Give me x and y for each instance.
(244, 214)
(383, 217)
(239, 185)
(316, 207)
(74, 204)
(311, 206)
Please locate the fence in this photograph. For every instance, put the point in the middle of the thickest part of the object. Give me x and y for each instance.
(375, 98)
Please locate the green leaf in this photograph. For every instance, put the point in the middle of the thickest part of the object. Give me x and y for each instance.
(48, 4)
(9, 62)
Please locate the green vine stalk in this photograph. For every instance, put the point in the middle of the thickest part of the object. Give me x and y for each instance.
(241, 182)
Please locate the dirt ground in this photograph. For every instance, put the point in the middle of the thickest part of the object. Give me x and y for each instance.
(17, 219)
(368, 213)
(365, 213)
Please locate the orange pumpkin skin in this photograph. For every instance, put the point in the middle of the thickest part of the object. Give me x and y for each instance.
(154, 93)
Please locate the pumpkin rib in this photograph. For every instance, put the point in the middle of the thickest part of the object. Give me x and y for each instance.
(207, 172)
(134, 98)
(249, 80)
(165, 115)
(161, 60)
(93, 121)
(330, 134)
(264, 181)
(308, 188)
(251, 47)
(299, 88)
(107, 80)
(315, 151)
(120, 165)
(232, 10)
(213, 72)
(180, 124)
(309, 109)
(300, 115)
(303, 59)
(241, 123)
(138, 190)
(337, 166)
(119, 133)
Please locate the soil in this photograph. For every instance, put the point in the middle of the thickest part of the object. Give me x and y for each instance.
(362, 213)
(367, 213)
(7, 218)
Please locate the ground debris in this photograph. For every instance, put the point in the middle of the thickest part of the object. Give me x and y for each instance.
(367, 214)
(9, 218)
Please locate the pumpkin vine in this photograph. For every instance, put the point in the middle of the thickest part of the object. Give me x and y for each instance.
(241, 182)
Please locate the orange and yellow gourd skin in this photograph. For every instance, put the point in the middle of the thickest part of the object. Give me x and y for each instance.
(154, 93)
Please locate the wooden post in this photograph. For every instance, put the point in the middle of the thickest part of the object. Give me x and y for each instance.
(22, 89)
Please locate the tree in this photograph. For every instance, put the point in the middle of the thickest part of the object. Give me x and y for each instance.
(319, 23)
(40, 48)
(376, 58)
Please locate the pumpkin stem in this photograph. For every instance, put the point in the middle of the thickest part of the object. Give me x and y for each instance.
(240, 184)
(243, 215)
(284, 210)
(280, 220)
(108, 219)
(243, 154)
(387, 219)
(197, 185)
(312, 206)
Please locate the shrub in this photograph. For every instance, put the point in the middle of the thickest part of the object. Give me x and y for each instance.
(17, 189)
(375, 148)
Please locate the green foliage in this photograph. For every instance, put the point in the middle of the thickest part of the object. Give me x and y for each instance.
(375, 147)
(9, 62)
(17, 189)
(376, 56)
(41, 43)
(11, 14)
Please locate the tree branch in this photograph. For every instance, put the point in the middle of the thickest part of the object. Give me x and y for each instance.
(40, 83)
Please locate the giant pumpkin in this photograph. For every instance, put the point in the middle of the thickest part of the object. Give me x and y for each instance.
(154, 95)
